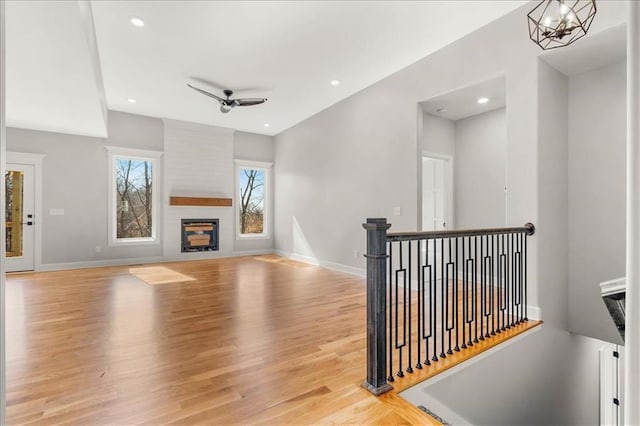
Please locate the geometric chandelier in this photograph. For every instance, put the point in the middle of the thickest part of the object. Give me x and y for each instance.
(557, 23)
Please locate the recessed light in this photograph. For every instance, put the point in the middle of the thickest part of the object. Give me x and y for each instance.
(335, 82)
(137, 21)
(131, 101)
(267, 124)
(483, 100)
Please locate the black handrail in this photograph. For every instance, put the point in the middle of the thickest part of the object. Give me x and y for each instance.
(528, 229)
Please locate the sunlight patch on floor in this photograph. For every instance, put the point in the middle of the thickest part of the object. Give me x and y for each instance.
(154, 275)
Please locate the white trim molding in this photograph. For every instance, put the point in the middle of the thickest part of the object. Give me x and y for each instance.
(115, 152)
(631, 394)
(266, 168)
(352, 270)
(144, 260)
(610, 384)
(613, 286)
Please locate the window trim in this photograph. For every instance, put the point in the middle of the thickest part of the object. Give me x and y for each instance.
(115, 153)
(266, 167)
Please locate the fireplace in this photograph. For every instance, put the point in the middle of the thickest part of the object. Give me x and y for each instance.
(199, 235)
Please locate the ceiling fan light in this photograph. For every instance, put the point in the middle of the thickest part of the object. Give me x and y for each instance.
(225, 108)
(558, 23)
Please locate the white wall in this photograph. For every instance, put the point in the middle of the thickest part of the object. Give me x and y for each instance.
(438, 135)
(552, 175)
(597, 164)
(358, 158)
(479, 170)
(135, 131)
(198, 161)
(74, 178)
(254, 147)
(549, 377)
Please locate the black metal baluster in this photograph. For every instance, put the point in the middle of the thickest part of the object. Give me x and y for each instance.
(516, 279)
(503, 260)
(486, 260)
(456, 302)
(483, 287)
(469, 281)
(523, 261)
(409, 298)
(390, 284)
(520, 281)
(426, 337)
(475, 287)
(443, 295)
(420, 306)
(465, 297)
(500, 278)
(512, 320)
(450, 306)
(434, 300)
(494, 285)
(508, 274)
(524, 280)
(509, 281)
(399, 346)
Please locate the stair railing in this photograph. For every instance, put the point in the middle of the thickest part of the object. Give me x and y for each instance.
(430, 294)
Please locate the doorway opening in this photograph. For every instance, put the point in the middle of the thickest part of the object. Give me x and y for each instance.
(436, 191)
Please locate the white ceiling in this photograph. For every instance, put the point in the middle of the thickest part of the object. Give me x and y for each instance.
(601, 49)
(463, 102)
(51, 81)
(286, 51)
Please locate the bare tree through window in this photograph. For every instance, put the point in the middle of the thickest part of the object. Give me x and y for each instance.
(134, 187)
(251, 201)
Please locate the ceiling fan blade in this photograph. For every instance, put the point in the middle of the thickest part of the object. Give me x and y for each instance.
(249, 101)
(204, 92)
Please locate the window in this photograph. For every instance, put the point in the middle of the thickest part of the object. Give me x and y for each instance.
(133, 205)
(252, 199)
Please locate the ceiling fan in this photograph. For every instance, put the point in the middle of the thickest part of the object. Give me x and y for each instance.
(227, 104)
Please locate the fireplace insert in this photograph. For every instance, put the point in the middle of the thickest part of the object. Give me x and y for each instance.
(199, 235)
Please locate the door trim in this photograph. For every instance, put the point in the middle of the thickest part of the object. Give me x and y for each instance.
(34, 160)
(449, 184)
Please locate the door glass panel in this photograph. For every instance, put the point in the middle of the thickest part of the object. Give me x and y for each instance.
(14, 195)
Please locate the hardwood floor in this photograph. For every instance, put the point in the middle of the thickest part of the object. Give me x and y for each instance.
(254, 340)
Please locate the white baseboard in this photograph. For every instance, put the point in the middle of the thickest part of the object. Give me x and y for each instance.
(144, 260)
(98, 263)
(534, 312)
(360, 272)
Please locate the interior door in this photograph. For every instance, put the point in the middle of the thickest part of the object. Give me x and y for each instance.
(19, 217)
(435, 196)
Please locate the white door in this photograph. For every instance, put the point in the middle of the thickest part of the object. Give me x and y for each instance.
(19, 219)
(435, 193)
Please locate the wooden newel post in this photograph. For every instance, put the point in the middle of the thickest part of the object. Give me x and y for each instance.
(376, 256)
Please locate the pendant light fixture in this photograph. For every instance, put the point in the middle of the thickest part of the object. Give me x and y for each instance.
(557, 23)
